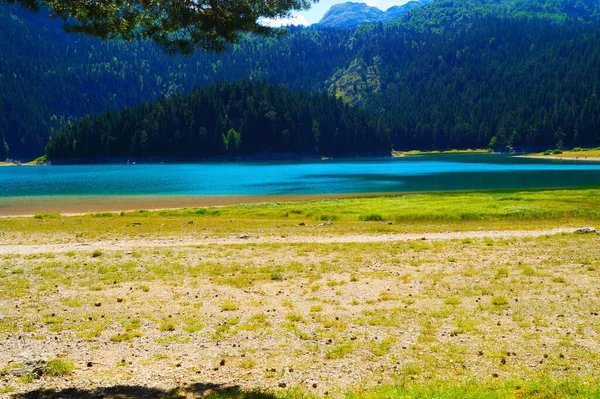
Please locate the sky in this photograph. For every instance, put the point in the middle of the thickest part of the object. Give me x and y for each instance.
(319, 9)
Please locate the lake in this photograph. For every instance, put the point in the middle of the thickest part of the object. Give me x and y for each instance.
(366, 175)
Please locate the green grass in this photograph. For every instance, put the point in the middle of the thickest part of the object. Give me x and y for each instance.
(541, 387)
(39, 160)
(126, 337)
(443, 152)
(47, 216)
(534, 388)
(339, 351)
(59, 367)
(499, 301)
(576, 152)
(372, 217)
(229, 306)
(424, 212)
(97, 253)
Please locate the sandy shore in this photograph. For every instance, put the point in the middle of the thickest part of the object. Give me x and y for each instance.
(73, 205)
(568, 158)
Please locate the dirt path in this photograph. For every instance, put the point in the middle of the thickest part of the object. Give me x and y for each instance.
(242, 239)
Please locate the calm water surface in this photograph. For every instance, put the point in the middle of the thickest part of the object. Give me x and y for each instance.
(425, 173)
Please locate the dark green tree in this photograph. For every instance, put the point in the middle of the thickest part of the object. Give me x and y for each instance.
(176, 25)
(234, 118)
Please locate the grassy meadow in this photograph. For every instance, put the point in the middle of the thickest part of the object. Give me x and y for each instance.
(438, 152)
(577, 152)
(260, 301)
(408, 213)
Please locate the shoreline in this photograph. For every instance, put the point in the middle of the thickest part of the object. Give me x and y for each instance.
(82, 205)
(14, 207)
(525, 152)
(261, 157)
(567, 158)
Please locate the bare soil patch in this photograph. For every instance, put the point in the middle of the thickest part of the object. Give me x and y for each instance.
(322, 313)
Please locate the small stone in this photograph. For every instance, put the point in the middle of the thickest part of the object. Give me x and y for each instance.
(244, 236)
(585, 230)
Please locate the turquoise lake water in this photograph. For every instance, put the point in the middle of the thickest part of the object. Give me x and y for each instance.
(419, 173)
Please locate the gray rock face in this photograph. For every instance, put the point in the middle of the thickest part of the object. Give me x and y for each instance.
(31, 367)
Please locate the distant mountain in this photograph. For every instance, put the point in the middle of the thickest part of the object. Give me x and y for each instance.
(398, 11)
(351, 15)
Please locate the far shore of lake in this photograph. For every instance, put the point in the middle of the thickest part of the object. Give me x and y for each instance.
(591, 155)
(261, 157)
(559, 157)
(440, 152)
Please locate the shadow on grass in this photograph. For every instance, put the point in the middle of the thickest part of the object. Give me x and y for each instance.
(140, 392)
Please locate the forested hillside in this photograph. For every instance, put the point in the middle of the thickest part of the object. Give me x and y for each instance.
(501, 82)
(48, 76)
(462, 73)
(240, 118)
